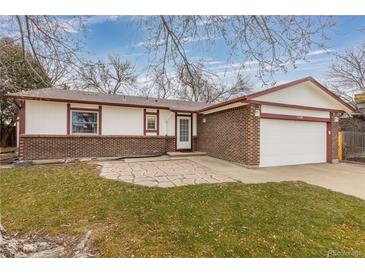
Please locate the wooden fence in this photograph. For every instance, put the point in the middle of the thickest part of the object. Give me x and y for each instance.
(353, 145)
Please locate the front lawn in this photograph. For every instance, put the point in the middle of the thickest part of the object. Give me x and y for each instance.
(288, 219)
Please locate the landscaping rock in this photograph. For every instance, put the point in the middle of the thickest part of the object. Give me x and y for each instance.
(2, 229)
(36, 246)
(83, 241)
(57, 252)
(28, 248)
(42, 246)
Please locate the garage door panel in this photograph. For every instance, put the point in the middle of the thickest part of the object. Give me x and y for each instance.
(285, 142)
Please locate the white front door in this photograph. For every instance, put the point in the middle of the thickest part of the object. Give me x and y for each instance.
(183, 137)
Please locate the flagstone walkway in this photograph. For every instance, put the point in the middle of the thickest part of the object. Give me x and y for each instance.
(169, 173)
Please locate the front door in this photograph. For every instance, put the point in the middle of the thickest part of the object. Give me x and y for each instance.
(183, 132)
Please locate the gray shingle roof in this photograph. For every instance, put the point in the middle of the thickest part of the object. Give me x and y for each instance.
(56, 94)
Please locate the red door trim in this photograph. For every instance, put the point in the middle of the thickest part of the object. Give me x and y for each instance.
(158, 122)
(329, 139)
(191, 131)
(100, 119)
(175, 131)
(68, 118)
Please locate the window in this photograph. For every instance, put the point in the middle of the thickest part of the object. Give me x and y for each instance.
(151, 122)
(184, 130)
(84, 122)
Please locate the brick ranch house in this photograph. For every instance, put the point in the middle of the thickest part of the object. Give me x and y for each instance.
(294, 123)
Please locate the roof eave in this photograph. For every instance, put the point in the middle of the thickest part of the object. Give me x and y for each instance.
(280, 87)
(20, 97)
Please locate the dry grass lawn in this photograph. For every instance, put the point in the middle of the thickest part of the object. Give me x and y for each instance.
(288, 219)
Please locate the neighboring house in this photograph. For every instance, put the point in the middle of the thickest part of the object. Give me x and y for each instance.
(290, 124)
(355, 122)
(360, 101)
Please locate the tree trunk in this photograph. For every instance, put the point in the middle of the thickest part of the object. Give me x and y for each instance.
(5, 134)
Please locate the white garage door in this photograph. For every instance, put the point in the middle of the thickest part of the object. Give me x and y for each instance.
(285, 142)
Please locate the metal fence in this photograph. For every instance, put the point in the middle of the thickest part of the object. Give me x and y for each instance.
(353, 145)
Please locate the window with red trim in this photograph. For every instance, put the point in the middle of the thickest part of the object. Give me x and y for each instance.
(151, 120)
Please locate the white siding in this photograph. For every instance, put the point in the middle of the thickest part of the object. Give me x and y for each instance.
(122, 121)
(233, 105)
(167, 123)
(45, 117)
(305, 94)
(152, 110)
(294, 111)
(93, 106)
(195, 126)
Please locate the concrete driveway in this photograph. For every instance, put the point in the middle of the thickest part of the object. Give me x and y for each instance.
(342, 177)
(170, 172)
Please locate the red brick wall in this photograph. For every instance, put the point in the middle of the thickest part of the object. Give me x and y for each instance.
(195, 143)
(170, 144)
(252, 141)
(232, 135)
(58, 147)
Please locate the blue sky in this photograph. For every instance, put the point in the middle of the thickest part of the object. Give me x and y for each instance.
(122, 35)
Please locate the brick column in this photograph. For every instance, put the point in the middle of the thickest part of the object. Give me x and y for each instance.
(334, 131)
(253, 136)
(21, 148)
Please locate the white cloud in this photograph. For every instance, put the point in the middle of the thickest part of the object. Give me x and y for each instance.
(151, 43)
(98, 19)
(319, 52)
(72, 24)
(186, 40)
(135, 54)
(213, 62)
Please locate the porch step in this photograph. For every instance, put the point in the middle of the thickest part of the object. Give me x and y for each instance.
(185, 154)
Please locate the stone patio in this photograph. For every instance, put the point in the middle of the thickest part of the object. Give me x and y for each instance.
(167, 173)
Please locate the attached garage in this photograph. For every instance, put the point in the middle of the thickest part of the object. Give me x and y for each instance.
(285, 142)
(291, 124)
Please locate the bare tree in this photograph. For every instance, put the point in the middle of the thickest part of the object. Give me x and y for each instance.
(40, 52)
(16, 74)
(160, 84)
(347, 73)
(346, 77)
(113, 76)
(51, 41)
(273, 43)
(201, 85)
(194, 83)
